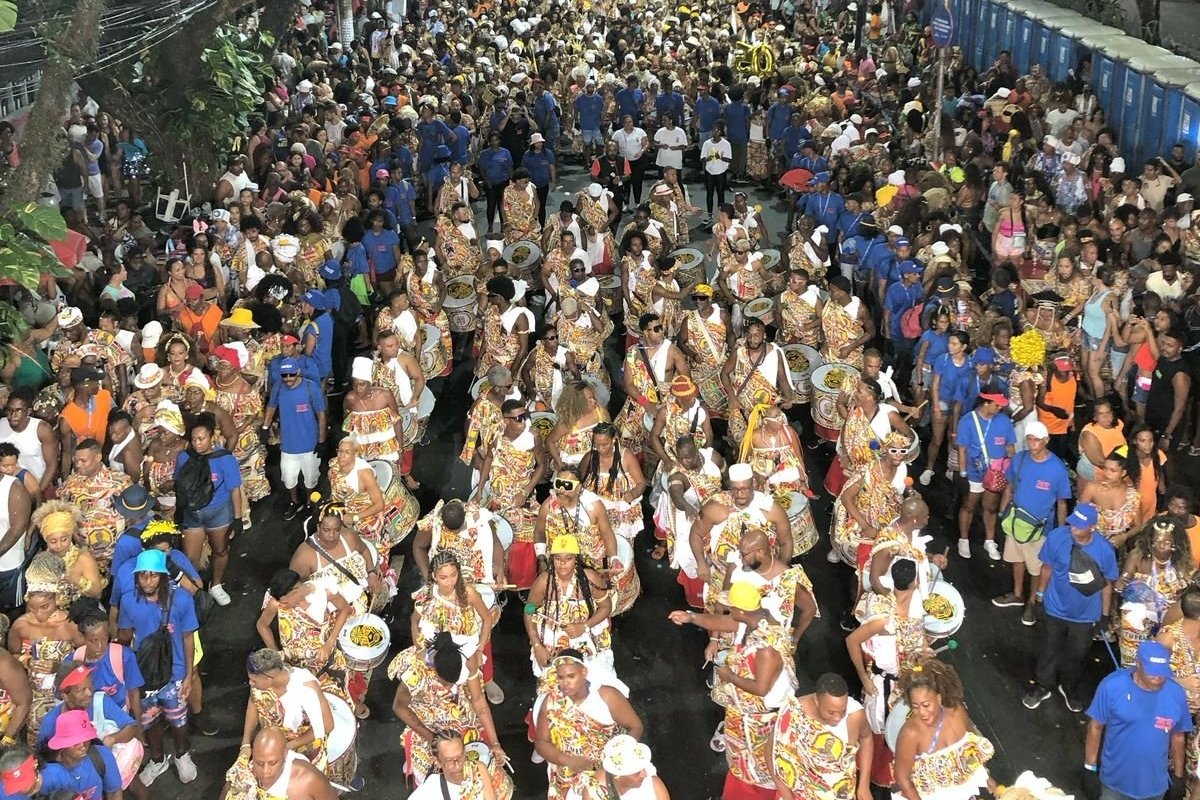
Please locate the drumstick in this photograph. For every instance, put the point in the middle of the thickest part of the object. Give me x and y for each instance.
(501, 586)
(916, 409)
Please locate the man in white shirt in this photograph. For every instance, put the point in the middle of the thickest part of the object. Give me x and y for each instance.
(1060, 117)
(632, 143)
(1155, 184)
(716, 155)
(670, 141)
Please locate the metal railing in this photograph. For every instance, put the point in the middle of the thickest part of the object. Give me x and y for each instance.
(1177, 29)
(18, 95)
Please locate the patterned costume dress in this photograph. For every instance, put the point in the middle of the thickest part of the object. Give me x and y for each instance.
(246, 409)
(1115, 522)
(626, 521)
(878, 500)
(302, 636)
(563, 606)
(587, 343)
(424, 296)
(750, 718)
(463, 256)
(814, 760)
(101, 524)
(954, 772)
(1186, 664)
(484, 423)
(679, 422)
(648, 373)
(755, 381)
(500, 344)
(799, 322)
(672, 525)
(513, 463)
(1166, 584)
(296, 712)
(375, 433)
(384, 529)
(576, 522)
(802, 255)
(520, 219)
(707, 339)
(439, 706)
(840, 326)
(314, 251)
(440, 613)
(638, 275)
(41, 658)
(582, 730)
(899, 647)
(578, 443)
(725, 538)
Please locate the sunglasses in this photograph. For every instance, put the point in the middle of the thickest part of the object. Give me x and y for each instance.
(566, 484)
(519, 417)
(699, 297)
(898, 451)
(552, 337)
(655, 328)
(287, 375)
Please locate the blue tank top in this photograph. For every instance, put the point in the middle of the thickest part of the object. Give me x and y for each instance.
(1094, 317)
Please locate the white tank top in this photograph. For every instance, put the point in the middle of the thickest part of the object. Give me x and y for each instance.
(27, 444)
(15, 556)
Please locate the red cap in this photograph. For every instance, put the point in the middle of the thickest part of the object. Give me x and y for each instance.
(289, 339)
(194, 292)
(20, 780)
(1064, 363)
(75, 677)
(998, 399)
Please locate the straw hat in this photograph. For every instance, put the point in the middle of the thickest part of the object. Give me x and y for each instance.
(240, 318)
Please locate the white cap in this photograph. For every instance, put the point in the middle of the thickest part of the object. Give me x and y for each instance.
(870, 131)
(896, 229)
(152, 333)
(362, 369)
(304, 86)
(1037, 429)
(914, 83)
(896, 178)
(70, 315)
(1184, 197)
(537, 138)
(939, 248)
(625, 756)
(149, 375)
(595, 190)
(856, 119)
(590, 287)
(1003, 93)
(741, 472)
(1117, 165)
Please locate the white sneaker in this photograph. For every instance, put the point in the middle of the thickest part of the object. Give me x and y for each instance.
(536, 758)
(218, 594)
(964, 548)
(926, 477)
(832, 557)
(493, 692)
(992, 549)
(186, 768)
(153, 769)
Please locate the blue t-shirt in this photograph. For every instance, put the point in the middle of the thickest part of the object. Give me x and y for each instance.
(112, 713)
(145, 616)
(1138, 725)
(321, 327)
(308, 368)
(298, 408)
(431, 134)
(824, 208)
(793, 137)
(496, 165)
(460, 150)
(778, 116)
(225, 477)
(939, 345)
(83, 779)
(379, 249)
(538, 165)
(972, 385)
(1038, 485)
(589, 107)
(629, 101)
(1063, 600)
(404, 206)
(952, 377)
(737, 122)
(997, 435)
(708, 111)
(123, 577)
(104, 676)
(129, 543)
(900, 298)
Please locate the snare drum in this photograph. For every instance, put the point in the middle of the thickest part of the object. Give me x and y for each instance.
(610, 295)
(504, 531)
(826, 386)
(626, 585)
(771, 258)
(691, 265)
(365, 641)
(433, 358)
(542, 422)
(895, 721)
(941, 628)
(761, 307)
(461, 310)
(416, 424)
(802, 360)
(804, 528)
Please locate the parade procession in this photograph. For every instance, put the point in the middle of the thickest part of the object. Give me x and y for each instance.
(606, 400)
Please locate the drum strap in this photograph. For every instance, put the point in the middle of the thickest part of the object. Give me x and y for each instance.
(445, 787)
(753, 369)
(312, 541)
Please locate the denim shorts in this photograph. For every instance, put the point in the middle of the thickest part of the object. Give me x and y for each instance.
(210, 519)
(1090, 343)
(592, 137)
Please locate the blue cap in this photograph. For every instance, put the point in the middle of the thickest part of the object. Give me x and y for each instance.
(289, 367)
(1154, 659)
(152, 560)
(820, 177)
(331, 270)
(314, 299)
(908, 266)
(441, 151)
(391, 100)
(1084, 516)
(985, 355)
(903, 242)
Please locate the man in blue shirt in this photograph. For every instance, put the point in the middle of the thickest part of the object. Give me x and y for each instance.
(823, 205)
(983, 363)
(431, 132)
(589, 109)
(737, 130)
(383, 251)
(300, 405)
(849, 222)
(88, 767)
(74, 682)
(900, 298)
(708, 111)
(1075, 590)
(778, 116)
(545, 114)
(794, 137)
(460, 150)
(316, 333)
(137, 507)
(1141, 717)
(1036, 496)
(539, 161)
(290, 347)
(142, 612)
(629, 100)
(496, 167)
(20, 778)
(805, 155)
(985, 437)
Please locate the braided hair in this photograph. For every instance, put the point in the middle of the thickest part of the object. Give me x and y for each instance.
(581, 580)
(441, 559)
(592, 459)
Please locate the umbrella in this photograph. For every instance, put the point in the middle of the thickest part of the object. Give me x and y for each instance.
(796, 180)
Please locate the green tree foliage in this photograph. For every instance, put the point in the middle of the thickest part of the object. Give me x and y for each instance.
(25, 255)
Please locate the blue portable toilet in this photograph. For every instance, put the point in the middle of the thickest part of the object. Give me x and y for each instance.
(1022, 42)
(1043, 35)
(1061, 57)
(1189, 118)
(993, 15)
(1164, 108)
(1072, 43)
(1106, 52)
(1109, 65)
(1132, 101)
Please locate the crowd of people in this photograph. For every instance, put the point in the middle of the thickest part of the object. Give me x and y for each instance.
(994, 313)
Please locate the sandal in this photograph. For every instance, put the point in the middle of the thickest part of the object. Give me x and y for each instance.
(362, 711)
(717, 742)
(1194, 451)
(659, 552)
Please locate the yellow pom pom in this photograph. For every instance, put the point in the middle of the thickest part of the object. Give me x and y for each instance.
(315, 497)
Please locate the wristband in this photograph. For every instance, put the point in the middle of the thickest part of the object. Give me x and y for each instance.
(530, 610)
(539, 549)
(641, 401)
(1039, 595)
(1091, 767)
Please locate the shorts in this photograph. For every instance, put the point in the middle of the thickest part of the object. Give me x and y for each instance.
(95, 186)
(592, 137)
(12, 588)
(210, 518)
(292, 465)
(1141, 389)
(975, 487)
(167, 702)
(1090, 343)
(943, 407)
(71, 198)
(1016, 553)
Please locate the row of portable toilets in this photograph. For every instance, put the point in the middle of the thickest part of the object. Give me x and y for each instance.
(1150, 96)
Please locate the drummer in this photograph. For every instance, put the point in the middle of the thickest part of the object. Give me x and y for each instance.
(504, 328)
(705, 337)
(649, 369)
(787, 593)
(467, 531)
(846, 325)
(558, 268)
(399, 372)
(800, 306)
(903, 539)
(755, 374)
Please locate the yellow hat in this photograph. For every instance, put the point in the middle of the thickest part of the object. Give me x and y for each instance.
(240, 318)
(565, 544)
(742, 596)
(58, 522)
(702, 288)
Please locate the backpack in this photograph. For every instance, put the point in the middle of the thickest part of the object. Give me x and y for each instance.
(1084, 572)
(193, 484)
(910, 323)
(156, 653)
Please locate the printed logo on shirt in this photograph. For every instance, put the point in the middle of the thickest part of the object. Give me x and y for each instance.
(1165, 724)
(302, 408)
(999, 440)
(1043, 485)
